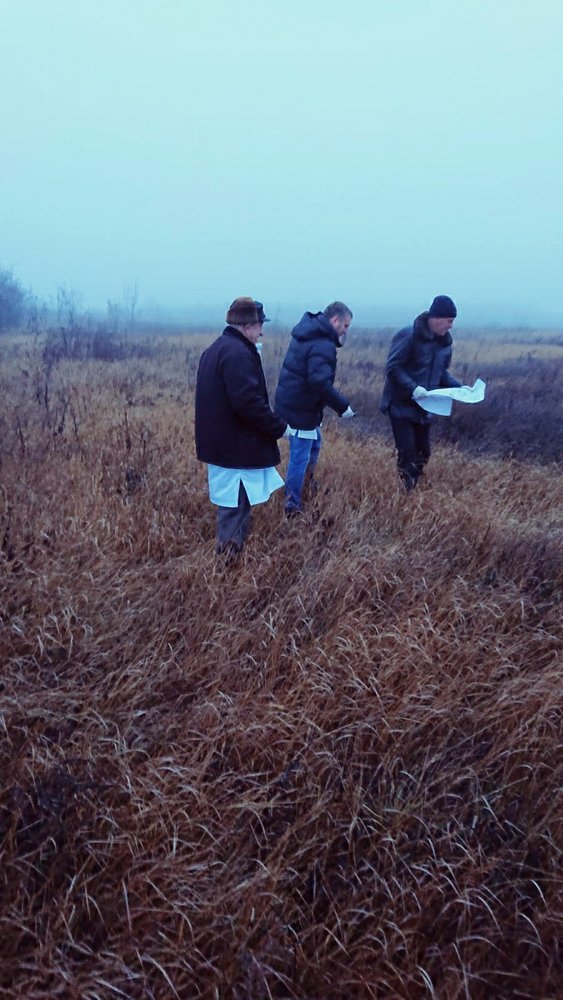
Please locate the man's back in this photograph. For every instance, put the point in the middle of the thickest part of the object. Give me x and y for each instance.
(234, 426)
(306, 378)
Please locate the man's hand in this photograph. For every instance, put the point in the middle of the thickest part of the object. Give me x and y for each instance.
(420, 392)
(348, 413)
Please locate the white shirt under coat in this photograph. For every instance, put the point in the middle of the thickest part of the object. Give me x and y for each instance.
(224, 484)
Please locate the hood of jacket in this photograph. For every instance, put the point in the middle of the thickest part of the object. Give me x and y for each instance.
(423, 331)
(311, 326)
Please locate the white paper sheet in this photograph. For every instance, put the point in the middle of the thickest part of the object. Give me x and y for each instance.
(440, 401)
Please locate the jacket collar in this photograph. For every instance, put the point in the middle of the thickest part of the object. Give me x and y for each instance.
(231, 331)
(423, 331)
(311, 326)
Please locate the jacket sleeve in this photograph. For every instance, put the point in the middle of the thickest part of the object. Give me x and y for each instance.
(247, 396)
(397, 359)
(321, 364)
(447, 381)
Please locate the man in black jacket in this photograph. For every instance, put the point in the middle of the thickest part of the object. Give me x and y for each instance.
(305, 387)
(236, 432)
(419, 357)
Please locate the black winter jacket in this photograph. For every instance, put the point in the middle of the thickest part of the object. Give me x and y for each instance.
(234, 425)
(416, 357)
(305, 385)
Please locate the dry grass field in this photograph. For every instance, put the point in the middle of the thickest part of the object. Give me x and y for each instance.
(330, 771)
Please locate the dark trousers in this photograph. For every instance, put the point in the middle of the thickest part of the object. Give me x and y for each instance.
(233, 524)
(412, 441)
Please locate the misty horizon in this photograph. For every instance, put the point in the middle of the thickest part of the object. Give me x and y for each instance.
(211, 315)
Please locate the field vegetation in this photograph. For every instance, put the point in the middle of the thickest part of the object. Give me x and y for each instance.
(330, 771)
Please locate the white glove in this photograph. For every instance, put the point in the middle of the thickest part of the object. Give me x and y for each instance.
(420, 392)
(286, 433)
(348, 413)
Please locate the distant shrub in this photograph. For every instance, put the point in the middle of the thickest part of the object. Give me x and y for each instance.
(80, 343)
(12, 301)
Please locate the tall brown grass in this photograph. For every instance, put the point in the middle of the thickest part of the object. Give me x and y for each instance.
(330, 771)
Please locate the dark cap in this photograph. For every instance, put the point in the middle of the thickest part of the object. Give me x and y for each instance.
(443, 308)
(246, 310)
(262, 318)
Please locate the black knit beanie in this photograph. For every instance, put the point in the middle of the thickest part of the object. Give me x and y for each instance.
(443, 308)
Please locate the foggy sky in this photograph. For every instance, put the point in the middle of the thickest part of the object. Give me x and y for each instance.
(295, 150)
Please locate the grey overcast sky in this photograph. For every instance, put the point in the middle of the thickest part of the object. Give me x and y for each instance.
(376, 151)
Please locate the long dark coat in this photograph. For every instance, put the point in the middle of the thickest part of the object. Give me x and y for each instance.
(234, 424)
(305, 384)
(416, 357)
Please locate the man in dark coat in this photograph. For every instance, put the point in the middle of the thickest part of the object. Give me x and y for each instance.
(236, 431)
(419, 357)
(305, 387)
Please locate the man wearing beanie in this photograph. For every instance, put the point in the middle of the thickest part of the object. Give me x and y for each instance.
(419, 357)
(236, 431)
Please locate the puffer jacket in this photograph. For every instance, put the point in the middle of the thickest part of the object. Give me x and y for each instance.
(416, 357)
(306, 381)
(234, 425)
